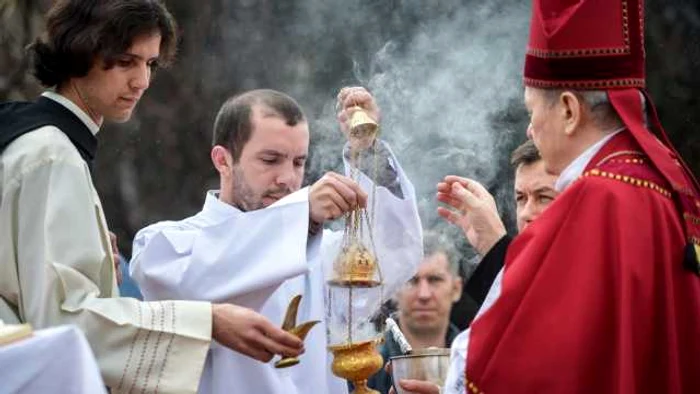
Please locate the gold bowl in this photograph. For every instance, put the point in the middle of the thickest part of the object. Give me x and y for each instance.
(356, 362)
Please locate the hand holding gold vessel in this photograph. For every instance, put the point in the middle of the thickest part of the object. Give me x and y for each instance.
(290, 325)
(358, 115)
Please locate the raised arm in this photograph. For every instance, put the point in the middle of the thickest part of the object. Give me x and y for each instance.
(240, 258)
(394, 216)
(392, 204)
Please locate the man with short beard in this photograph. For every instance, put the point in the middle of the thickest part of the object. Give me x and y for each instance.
(56, 263)
(258, 240)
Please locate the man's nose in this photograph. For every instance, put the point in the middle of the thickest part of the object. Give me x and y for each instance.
(141, 79)
(424, 290)
(529, 212)
(286, 176)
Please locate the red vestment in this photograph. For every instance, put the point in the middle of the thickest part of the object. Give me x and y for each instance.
(595, 298)
(601, 294)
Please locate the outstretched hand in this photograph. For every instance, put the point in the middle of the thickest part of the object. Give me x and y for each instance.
(473, 210)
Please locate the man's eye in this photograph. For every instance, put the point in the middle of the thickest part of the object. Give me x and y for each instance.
(546, 199)
(299, 163)
(153, 65)
(123, 62)
(269, 161)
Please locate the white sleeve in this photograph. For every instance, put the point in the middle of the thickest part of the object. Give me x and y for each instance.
(241, 259)
(455, 380)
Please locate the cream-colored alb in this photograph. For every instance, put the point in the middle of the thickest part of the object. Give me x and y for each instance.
(56, 268)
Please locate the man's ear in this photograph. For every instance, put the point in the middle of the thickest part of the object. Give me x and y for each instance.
(572, 108)
(222, 160)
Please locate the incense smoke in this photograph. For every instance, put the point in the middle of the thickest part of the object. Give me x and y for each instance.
(450, 96)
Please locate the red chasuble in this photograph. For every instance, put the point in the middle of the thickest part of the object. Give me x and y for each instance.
(594, 296)
(600, 294)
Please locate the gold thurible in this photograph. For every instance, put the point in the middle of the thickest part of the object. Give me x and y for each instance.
(356, 266)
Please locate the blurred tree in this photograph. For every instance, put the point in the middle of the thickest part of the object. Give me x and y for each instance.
(673, 61)
(20, 23)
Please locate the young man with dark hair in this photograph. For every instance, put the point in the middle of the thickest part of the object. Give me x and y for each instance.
(56, 263)
(480, 221)
(534, 186)
(233, 129)
(258, 241)
(233, 125)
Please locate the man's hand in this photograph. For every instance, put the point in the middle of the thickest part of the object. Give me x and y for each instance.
(417, 387)
(412, 386)
(334, 195)
(250, 333)
(115, 255)
(475, 211)
(349, 98)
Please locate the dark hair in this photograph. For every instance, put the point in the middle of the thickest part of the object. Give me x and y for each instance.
(525, 154)
(79, 31)
(233, 126)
